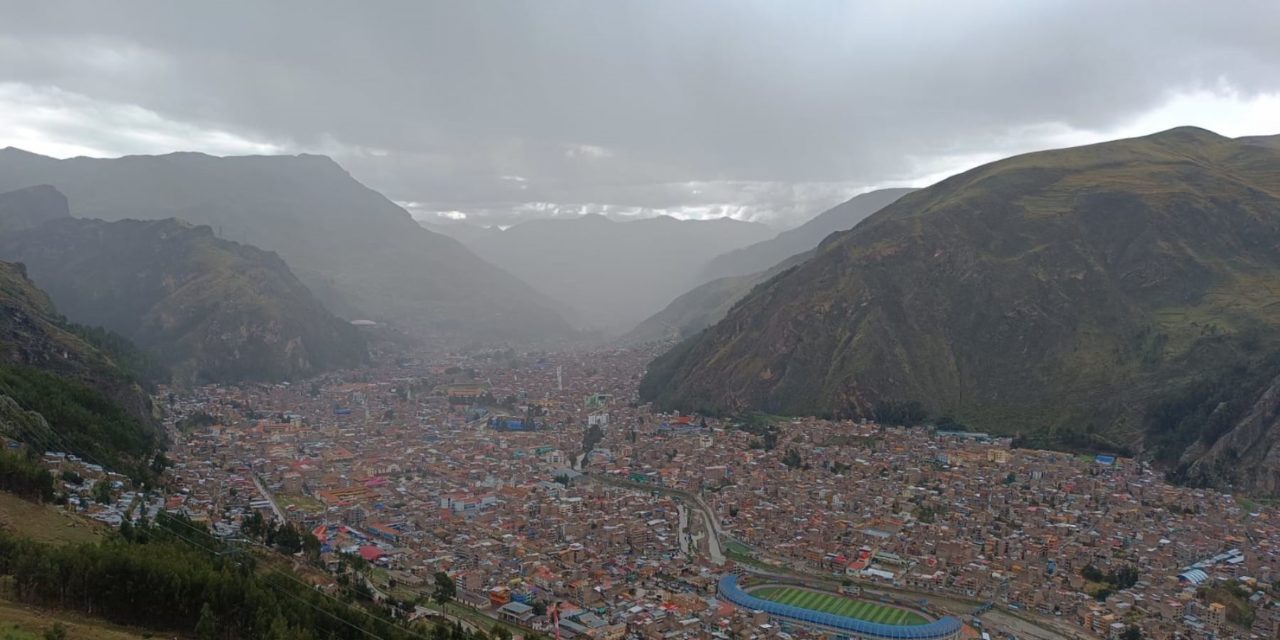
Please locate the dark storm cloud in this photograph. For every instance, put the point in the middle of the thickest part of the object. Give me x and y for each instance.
(767, 110)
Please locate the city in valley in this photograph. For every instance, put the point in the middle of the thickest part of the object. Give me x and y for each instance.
(551, 501)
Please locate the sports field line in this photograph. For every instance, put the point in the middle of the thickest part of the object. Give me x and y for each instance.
(839, 605)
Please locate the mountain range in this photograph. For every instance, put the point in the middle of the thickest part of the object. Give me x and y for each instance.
(362, 255)
(209, 310)
(1123, 295)
(609, 275)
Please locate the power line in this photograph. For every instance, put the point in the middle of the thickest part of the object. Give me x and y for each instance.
(280, 589)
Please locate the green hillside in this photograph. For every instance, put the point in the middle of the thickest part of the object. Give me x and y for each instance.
(1062, 295)
(57, 391)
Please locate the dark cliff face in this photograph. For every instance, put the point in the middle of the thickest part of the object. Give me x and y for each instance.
(1247, 457)
(209, 309)
(1052, 294)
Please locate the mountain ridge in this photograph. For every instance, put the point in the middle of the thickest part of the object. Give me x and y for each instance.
(211, 310)
(362, 254)
(1006, 295)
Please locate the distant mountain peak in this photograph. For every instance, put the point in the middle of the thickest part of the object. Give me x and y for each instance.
(32, 206)
(362, 255)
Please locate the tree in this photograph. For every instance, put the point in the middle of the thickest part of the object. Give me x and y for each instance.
(207, 626)
(770, 438)
(445, 590)
(311, 546)
(1131, 632)
(102, 492)
(253, 525)
(1092, 574)
(792, 458)
(287, 539)
(591, 438)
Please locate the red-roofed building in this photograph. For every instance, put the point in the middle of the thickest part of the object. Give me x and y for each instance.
(371, 553)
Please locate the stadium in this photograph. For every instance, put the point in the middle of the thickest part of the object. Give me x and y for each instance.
(845, 616)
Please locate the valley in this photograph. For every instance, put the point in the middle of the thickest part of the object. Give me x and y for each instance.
(464, 463)
(694, 320)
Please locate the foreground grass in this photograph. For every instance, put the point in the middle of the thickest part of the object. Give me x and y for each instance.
(20, 622)
(45, 523)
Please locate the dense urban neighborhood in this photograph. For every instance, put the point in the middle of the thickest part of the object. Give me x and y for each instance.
(550, 501)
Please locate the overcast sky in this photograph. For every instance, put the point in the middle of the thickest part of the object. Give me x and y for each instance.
(495, 111)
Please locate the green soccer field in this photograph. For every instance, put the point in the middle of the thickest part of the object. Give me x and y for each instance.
(841, 606)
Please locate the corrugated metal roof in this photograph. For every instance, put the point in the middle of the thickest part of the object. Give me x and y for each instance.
(1194, 576)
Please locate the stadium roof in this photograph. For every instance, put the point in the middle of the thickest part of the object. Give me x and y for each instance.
(940, 628)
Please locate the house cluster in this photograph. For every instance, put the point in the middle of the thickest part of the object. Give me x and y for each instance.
(1097, 542)
(537, 481)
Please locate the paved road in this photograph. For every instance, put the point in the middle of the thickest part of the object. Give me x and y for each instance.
(709, 521)
(713, 540)
(683, 532)
(262, 489)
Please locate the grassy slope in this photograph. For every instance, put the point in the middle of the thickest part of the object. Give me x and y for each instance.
(20, 622)
(45, 523)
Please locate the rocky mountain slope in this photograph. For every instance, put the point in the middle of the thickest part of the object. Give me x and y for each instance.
(611, 274)
(208, 309)
(49, 375)
(762, 256)
(1076, 296)
(362, 255)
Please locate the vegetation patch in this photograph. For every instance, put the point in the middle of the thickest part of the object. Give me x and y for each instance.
(80, 420)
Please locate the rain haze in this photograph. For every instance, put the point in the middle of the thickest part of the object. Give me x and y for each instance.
(640, 320)
(494, 113)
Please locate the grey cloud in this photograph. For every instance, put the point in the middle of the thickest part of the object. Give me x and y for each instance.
(629, 106)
